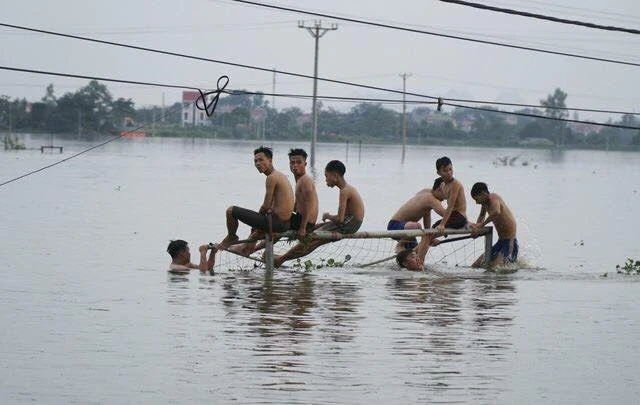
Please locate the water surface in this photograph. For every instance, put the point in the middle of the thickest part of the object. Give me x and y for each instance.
(89, 314)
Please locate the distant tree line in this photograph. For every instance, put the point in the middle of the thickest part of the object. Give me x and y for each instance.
(92, 111)
(87, 113)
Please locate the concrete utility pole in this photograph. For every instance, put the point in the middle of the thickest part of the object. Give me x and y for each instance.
(163, 109)
(79, 124)
(273, 90)
(317, 32)
(404, 112)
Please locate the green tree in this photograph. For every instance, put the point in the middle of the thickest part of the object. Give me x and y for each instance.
(373, 120)
(5, 110)
(553, 109)
(531, 130)
(49, 98)
(286, 124)
(121, 108)
(90, 111)
(258, 100)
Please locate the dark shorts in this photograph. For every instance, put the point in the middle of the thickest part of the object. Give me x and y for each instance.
(259, 221)
(350, 225)
(456, 221)
(295, 223)
(395, 225)
(508, 248)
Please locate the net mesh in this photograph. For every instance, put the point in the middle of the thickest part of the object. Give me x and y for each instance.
(356, 253)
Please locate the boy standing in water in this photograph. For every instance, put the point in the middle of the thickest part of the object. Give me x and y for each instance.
(505, 251)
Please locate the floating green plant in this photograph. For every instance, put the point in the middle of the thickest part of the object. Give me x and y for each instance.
(309, 265)
(629, 267)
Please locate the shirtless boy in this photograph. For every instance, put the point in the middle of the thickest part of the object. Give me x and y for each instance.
(181, 257)
(455, 217)
(505, 251)
(274, 214)
(305, 213)
(417, 208)
(347, 220)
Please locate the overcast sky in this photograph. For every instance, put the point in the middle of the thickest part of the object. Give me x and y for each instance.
(222, 29)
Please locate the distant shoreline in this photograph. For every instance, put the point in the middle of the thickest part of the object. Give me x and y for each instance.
(353, 143)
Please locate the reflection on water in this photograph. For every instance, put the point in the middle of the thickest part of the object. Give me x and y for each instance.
(450, 326)
(556, 155)
(442, 337)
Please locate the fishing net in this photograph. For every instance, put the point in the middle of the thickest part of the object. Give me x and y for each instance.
(350, 253)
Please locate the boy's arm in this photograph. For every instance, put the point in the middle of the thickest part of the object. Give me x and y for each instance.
(426, 219)
(493, 210)
(206, 264)
(474, 227)
(203, 258)
(270, 185)
(451, 202)
(483, 212)
(212, 257)
(421, 249)
(438, 208)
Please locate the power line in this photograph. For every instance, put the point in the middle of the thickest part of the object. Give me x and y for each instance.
(331, 98)
(539, 106)
(245, 66)
(203, 59)
(105, 79)
(596, 13)
(229, 92)
(601, 124)
(439, 101)
(399, 28)
(542, 17)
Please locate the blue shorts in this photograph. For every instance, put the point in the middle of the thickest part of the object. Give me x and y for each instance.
(395, 225)
(508, 248)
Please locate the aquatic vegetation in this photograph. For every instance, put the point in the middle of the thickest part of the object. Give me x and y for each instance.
(309, 265)
(12, 143)
(629, 267)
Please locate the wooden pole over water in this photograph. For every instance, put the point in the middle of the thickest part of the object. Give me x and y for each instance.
(268, 252)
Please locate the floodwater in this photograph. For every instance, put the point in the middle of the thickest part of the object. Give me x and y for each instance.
(89, 314)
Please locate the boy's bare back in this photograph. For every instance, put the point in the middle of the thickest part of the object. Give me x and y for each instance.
(504, 221)
(282, 202)
(306, 198)
(354, 206)
(416, 207)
